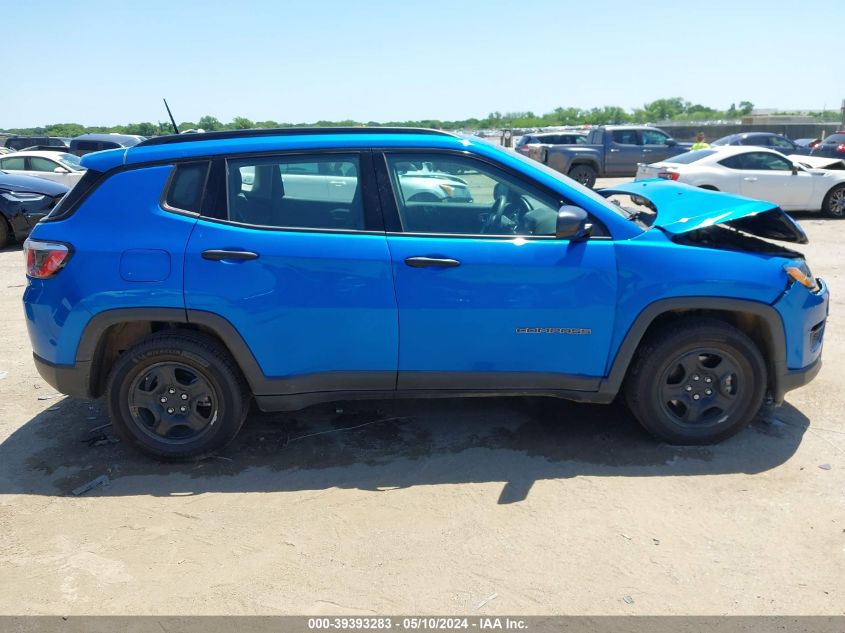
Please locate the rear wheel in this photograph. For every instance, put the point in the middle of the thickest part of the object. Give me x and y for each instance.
(584, 174)
(177, 396)
(697, 382)
(834, 202)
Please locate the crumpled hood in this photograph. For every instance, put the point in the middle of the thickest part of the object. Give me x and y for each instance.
(682, 208)
(11, 182)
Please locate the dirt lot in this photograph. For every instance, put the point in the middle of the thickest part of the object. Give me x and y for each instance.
(479, 507)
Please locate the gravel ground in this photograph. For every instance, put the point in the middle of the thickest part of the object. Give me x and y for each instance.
(519, 506)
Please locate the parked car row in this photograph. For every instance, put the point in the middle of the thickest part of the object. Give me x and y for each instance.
(79, 146)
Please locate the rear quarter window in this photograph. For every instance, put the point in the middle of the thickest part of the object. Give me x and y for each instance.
(186, 186)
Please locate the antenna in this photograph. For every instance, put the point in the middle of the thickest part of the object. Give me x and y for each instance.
(172, 120)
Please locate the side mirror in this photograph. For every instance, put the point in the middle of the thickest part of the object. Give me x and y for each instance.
(572, 224)
(794, 169)
(60, 170)
(670, 142)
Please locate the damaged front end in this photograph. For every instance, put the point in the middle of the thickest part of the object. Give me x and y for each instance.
(709, 218)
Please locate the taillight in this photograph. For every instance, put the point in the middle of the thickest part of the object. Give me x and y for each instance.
(840, 149)
(44, 259)
(668, 175)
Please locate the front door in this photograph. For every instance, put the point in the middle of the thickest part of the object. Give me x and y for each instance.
(488, 298)
(768, 176)
(656, 146)
(302, 274)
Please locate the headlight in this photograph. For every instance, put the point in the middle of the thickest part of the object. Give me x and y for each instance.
(803, 276)
(21, 196)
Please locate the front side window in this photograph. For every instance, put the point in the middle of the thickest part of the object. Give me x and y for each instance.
(311, 192)
(456, 195)
(36, 163)
(759, 161)
(653, 137)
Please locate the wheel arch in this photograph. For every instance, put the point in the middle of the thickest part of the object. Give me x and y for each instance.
(108, 334)
(760, 321)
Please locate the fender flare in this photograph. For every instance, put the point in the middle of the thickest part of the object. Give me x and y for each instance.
(775, 356)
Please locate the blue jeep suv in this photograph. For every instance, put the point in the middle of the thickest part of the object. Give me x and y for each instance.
(187, 276)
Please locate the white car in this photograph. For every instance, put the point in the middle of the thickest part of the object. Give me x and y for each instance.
(758, 173)
(56, 166)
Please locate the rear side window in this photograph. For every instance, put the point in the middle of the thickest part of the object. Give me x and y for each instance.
(305, 192)
(13, 163)
(187, 186)
(625, 137)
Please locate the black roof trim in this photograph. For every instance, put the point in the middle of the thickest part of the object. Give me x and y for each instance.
(190, 137)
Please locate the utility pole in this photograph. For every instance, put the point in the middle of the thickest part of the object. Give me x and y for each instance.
(843, 114)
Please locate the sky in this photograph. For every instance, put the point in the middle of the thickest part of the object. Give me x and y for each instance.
(111, 62)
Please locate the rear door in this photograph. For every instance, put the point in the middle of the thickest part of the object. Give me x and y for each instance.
(488, 298)
(623, 153)
(302, 276)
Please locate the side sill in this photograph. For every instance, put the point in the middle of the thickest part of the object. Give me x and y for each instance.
(295, 402)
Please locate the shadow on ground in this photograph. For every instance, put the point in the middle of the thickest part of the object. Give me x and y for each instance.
(395, 444)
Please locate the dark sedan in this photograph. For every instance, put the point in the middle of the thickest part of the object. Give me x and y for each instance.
(23, 201)
(764, 139)
(831, 147)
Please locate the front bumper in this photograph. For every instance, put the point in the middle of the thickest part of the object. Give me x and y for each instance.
(72, 380)
(804, 317)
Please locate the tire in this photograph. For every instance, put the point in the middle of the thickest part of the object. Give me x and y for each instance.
(584, 174)
(5, 232)
(188, 370)
(673, 366)
(834, 202)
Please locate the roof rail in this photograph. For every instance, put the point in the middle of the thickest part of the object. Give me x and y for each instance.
(287, 131)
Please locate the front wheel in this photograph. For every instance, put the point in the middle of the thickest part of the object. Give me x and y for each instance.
(834, 202)
(697, 382)
(584, 174)
(177, 396)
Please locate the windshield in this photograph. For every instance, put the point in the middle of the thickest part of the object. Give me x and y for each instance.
(71, 162)
(690, 157)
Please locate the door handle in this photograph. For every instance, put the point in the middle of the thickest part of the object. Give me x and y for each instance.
(614, 150)
(219, 255)
(750, 179)
(426, 262)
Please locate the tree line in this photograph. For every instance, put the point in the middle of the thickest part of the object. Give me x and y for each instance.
(660, 110)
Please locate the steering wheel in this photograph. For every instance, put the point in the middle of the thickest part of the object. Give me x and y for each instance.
(494, 220)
